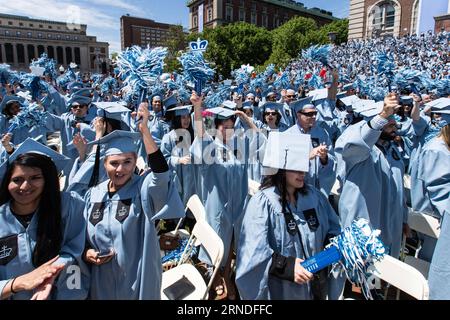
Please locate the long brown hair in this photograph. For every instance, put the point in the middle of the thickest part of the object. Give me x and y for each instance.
(445, 135)
(278, 181)
(49, 230)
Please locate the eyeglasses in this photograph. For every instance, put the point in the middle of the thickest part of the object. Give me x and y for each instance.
(290, 96)
(79, 106)
(309, 114)
(274, 113)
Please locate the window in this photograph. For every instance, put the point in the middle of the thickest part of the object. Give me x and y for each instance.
(253, 5)
(265, 20)
(195, 21)
(229, 14)
(41, 26)
(383, 16)
(39, 35)
(29, 34)
(6, 33)
(254, 18)
(67, 37)
(21, 24)
(58, 37)
(18, 33)
(49, 27)
(209, 14)
(241, 3)
(10, 23)
(241, 15)
(31, 25)
(49, 36)
(75, 38)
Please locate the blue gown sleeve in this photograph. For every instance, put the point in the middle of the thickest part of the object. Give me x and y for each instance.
(72, 282)
(160, 198)
(57, 101)
(434, 172)
(254, 253)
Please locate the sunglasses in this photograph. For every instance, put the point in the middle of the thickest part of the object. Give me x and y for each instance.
(79, 106)
(309, 114)
(290, 96)
(274, 113)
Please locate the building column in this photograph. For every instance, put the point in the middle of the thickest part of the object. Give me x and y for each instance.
(15, 57)
(65, 57)
(25, 53)
(3, 53)
(36, 53)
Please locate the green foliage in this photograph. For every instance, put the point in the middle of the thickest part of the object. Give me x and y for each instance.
(236, 44)
(177, 42)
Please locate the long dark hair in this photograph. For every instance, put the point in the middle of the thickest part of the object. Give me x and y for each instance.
(49, 231)
(278, 181)
(176, 124)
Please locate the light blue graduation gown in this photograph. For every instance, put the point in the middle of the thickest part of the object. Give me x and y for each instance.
(264, 232)
(17, 245)
(223, 181)
(329, 115)
(125, 223)
(185, 176)
(321, 176)
(434, 180)
(371, 183)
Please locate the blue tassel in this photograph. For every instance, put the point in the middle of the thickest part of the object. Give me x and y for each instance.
(175, 255)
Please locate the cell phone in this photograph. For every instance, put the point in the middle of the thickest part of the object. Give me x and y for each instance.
(105, 254)
(179, 289)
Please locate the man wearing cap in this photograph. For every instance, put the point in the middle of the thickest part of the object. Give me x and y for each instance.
(370, 171)
(287, 96)
(322, 172)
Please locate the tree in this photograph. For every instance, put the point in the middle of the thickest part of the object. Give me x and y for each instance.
(236, 44)
(341, 29)
(177, 41)
(290, 38)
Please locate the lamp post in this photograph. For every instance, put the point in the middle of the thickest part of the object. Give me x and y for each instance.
(332, 36)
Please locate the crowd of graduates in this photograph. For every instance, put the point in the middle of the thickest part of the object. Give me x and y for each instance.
(329, 139)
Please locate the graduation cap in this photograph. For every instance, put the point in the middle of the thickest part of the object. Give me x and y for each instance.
(170, 102)
(118, 142)
(299, 105)
(406, 100)
(273, 106)
(75, 86)
(348, 86)
(31, 145)
(349, 101)
(369, 109)
(80, 100)
(442, 107)
(114, 110)
(229, 105)
(222, 113)
(319, 94)
(182, 110)
(85, 92)
(247, 105)
(10, 99)
(287, 151)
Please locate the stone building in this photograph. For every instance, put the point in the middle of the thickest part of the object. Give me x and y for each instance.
(269, 14)
(23, 39)
(372, 18)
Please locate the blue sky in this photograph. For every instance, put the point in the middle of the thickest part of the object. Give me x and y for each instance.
(103, 16)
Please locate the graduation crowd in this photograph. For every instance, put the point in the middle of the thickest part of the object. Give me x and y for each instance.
(329, 140)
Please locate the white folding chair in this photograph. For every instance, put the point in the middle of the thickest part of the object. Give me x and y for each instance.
(427, 225)
(209, 240)
(402, 276)
(253, 187)
(194, 205)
